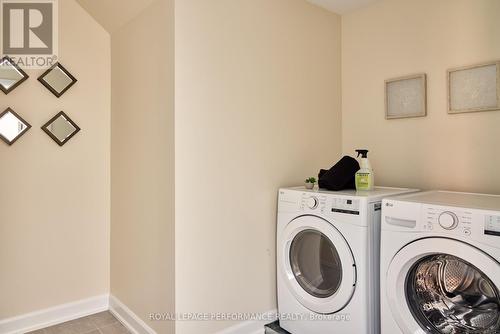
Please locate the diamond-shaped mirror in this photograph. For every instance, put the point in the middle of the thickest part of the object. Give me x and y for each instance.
(11, 75)
(61, 128)
(12, 126)
(57, 79)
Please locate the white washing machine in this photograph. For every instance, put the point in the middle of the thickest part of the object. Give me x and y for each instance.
(440, 267)
(327, 258)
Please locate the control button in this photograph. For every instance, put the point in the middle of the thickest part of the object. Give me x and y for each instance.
(448, 220)
(467, 232)
(312, 202)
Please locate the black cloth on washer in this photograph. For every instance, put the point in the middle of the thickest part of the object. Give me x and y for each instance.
(341, 176)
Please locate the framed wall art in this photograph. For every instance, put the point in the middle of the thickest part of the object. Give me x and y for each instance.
(406, 97)
(474, 88)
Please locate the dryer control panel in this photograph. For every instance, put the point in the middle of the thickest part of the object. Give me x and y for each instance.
(313, 202)
(348, 206)
(324, 204)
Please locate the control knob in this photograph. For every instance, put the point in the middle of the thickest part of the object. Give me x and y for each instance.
(448, 220)
(312, 202)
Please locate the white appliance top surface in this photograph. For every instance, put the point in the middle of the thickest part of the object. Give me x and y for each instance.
(378, 192)
(454, 199)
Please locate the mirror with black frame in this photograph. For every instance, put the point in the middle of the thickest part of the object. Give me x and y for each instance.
(57, 80)
(11, 75)
(12, 126)
(61, 128)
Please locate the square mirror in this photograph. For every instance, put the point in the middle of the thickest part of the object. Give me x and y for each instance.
(12, 126)
(57, 79)
(61, 128)
(11, 75)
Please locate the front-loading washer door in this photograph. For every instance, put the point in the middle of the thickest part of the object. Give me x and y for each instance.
(318, 264)
(444, 286)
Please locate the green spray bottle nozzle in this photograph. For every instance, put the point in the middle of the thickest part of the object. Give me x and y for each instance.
(363, 153)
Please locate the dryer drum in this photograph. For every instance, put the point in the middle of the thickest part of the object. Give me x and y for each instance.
(448, 295)
(316, 264)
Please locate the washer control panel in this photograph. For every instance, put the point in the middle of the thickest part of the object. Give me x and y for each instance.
(453, 221)
(492, 225)
(448, 220)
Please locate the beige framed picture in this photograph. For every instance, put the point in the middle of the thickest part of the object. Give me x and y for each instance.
(406, 97)
(474, 88)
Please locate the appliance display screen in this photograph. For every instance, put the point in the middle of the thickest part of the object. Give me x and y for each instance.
(346, 206)
(492, 225)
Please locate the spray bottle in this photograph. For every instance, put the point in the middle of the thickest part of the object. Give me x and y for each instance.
(365, 179)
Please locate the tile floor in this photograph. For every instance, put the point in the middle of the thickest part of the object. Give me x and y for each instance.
(100, 323)
(275, 328)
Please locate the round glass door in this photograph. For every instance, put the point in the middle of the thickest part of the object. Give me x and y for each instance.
(432, 291)
(448, 295)
(315, 263)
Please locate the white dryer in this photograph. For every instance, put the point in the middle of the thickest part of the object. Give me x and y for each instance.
(440, 267)
(327, 260)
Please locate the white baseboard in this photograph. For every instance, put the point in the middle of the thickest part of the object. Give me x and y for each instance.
(71, 311)
(128, 318)
(252, 327)
(54, 315)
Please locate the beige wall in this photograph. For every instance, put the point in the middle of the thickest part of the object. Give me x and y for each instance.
(54, 216)
(113, 14)
(257, 107)
(394, 38)
(142, 159)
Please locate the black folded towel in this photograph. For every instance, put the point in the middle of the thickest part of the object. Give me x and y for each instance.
(341, 176)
